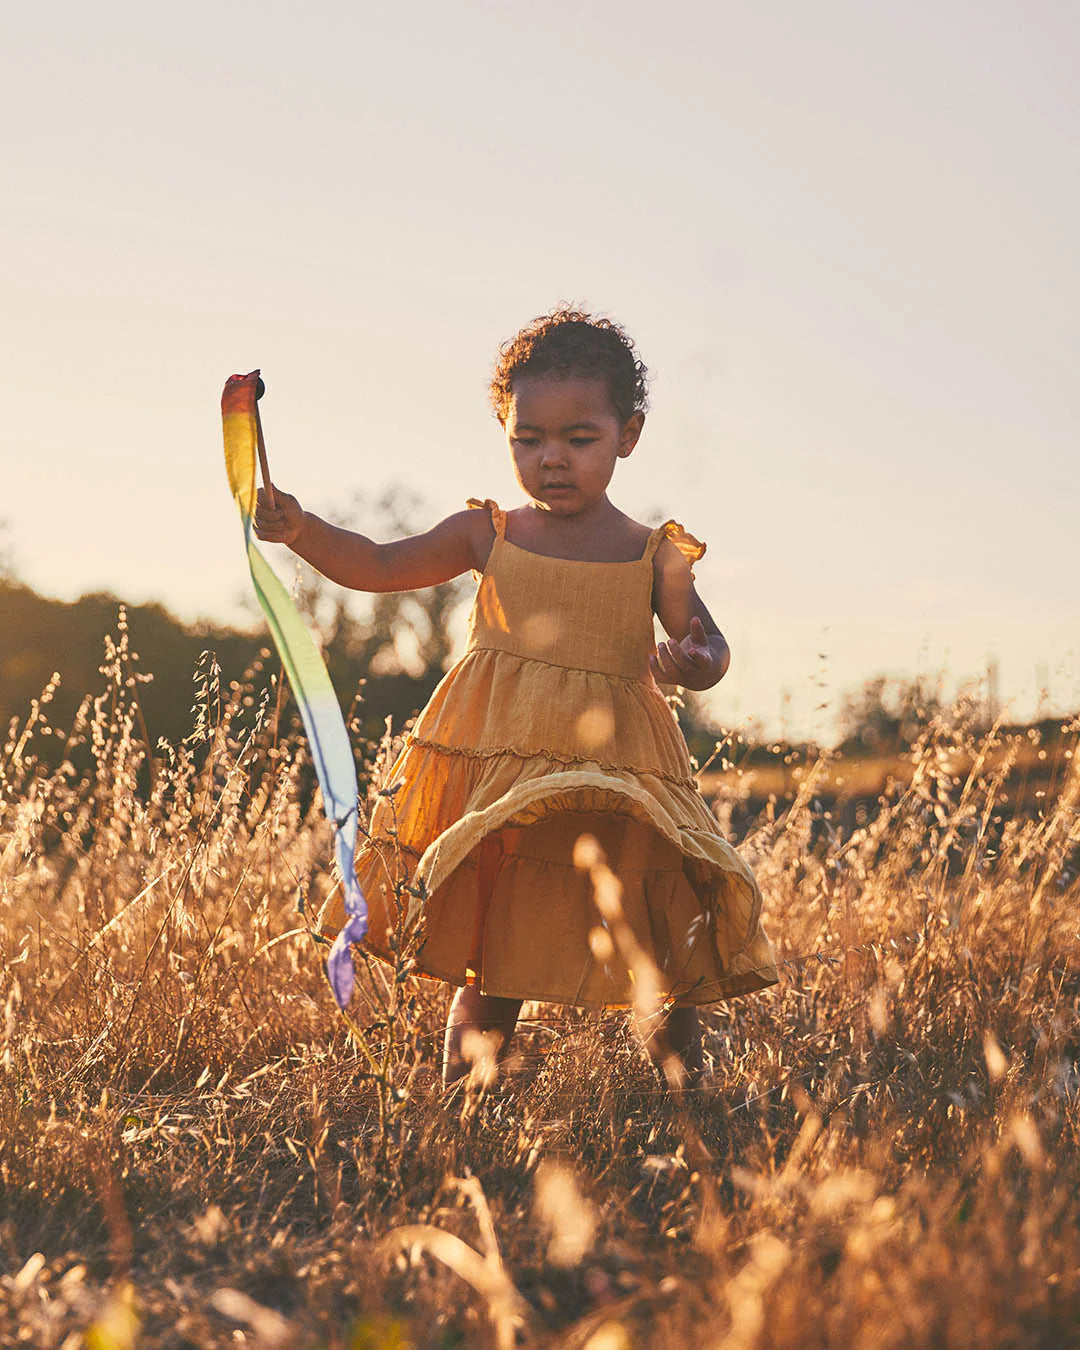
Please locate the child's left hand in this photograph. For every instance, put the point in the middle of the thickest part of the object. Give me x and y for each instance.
(697, 662)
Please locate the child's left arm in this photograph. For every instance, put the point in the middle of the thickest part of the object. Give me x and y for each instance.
(697, 656)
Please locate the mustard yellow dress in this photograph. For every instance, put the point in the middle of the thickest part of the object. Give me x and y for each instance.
(550, 726)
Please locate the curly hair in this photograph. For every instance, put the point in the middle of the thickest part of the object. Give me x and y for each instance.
(570, 342)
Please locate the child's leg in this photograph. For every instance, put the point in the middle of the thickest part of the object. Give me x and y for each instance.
(475, 1015)
(479, 1026)
(677, 1032)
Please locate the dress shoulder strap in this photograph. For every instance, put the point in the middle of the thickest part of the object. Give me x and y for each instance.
(692, 549)
(498, 515)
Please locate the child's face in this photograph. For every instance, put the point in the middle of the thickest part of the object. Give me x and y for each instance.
(565, 438)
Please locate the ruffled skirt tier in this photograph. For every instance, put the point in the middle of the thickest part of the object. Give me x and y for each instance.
(490, 829)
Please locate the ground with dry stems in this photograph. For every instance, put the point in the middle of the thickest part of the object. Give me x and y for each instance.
(196, 1149)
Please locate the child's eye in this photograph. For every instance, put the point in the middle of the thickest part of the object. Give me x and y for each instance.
(582, 440)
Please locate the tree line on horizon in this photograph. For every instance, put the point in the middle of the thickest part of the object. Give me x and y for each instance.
(383, 664)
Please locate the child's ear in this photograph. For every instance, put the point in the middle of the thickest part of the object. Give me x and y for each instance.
(630, 433)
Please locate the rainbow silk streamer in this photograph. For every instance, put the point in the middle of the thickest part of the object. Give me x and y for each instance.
(325, 727)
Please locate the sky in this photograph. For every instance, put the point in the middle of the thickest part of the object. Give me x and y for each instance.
(843, 237)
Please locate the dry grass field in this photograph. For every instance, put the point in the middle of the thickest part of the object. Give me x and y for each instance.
(196, 1149)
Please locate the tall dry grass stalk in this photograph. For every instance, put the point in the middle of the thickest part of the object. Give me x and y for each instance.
(195, 1149)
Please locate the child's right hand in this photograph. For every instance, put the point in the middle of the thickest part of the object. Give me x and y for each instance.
(282, 523)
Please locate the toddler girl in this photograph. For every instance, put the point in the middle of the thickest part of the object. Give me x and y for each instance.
(552, 724)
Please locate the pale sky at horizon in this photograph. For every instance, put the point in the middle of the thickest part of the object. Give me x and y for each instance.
(843, 237)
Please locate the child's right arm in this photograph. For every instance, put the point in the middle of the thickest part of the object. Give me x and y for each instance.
(457, 544)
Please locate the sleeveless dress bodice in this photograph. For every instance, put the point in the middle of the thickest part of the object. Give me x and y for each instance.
(579, 615)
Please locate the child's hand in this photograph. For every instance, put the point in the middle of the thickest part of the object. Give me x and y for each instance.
(697, 662)
(282, 523)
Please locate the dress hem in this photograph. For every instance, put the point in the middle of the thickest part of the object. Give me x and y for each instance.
(558, 793)
(715, 991)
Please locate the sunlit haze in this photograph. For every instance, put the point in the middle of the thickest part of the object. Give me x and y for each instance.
(843, 237)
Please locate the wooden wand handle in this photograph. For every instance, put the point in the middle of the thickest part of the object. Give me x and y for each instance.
(260, 389)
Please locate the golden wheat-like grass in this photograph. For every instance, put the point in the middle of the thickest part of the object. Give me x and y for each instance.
(197, 1150)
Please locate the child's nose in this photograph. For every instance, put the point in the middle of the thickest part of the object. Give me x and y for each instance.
(552, 455)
